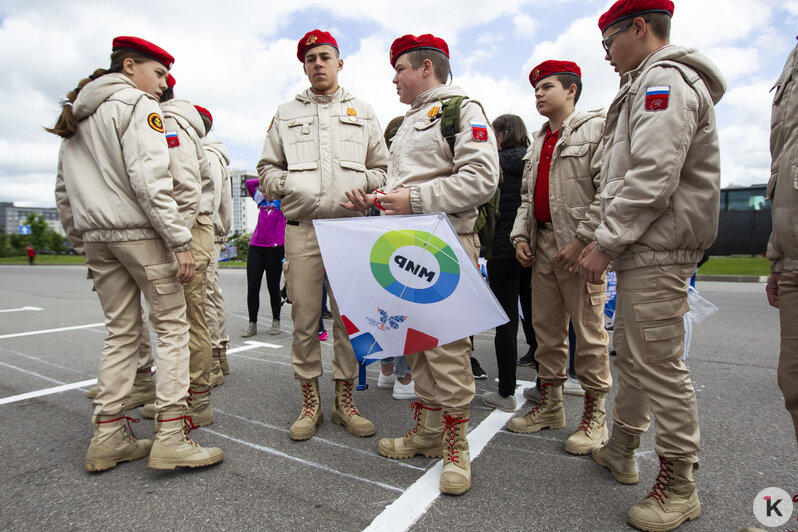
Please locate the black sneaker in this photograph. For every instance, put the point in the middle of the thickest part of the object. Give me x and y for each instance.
(528, 359)
(477, 370)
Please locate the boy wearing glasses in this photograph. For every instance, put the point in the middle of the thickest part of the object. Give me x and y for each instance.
(660, 193)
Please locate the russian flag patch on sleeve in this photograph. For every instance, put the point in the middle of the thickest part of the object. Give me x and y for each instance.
(479, 131)
(171, 139)
(657, 98)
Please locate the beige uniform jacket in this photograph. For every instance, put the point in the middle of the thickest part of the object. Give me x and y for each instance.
(319, 147)
(113, 182)
(783, 184)
(660, 173)
(219, 160)
(573, 181)
(188, 163)
(421, 160)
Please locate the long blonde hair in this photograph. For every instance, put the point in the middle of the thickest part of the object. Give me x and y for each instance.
(66, 126)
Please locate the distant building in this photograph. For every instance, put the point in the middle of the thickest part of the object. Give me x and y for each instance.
(12, 217)
(245, 212)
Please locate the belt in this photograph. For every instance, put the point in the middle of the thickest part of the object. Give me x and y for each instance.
(292, 222)
(545, 225)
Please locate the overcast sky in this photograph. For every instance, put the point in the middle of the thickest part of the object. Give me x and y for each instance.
(238, 59)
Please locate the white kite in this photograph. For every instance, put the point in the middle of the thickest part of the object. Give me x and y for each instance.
(404, 284)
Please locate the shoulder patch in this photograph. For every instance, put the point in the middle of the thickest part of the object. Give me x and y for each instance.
(155, 122)
(657, 98)
(172, 140)
(479, 131)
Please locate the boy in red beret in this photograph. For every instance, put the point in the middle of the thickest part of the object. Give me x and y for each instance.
(320, 145)
(660, 195)
(556, 220)
(426, 174)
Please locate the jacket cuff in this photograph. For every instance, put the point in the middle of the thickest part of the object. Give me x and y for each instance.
(183, 247)
(777, 266)
(516, 239)
(415, 200)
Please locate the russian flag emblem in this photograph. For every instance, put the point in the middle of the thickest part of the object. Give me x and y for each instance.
(171, 139)
(479, 131)
(657, 98)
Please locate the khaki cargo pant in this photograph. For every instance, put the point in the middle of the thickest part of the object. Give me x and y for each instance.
(304, 274)
(122, 272)
(788, 358)
(145, 345)
(199, 342)
(443, 375)
(214, 302)
(557, 296)
(652, 378)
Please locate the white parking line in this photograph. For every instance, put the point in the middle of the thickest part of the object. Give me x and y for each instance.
(413, 503)
(46, 391)
(300, 460)
(20, 309)
(252, 345)
(45, 331)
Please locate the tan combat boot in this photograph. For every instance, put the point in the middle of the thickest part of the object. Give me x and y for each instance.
(672, 501)
(548, 414)
(111, 444)
(93, 391)
(618, 455)
(346, 414)
(223, 359)
(143, 389)
(172, 449)
(456, 474)
(217, 377)
(592, 431)
(424, 439)
(199, 407)
(305, 425)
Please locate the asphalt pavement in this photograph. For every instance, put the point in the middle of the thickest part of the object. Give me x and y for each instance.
(51, 336)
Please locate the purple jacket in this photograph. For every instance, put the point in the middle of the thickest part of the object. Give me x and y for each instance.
(270, 231)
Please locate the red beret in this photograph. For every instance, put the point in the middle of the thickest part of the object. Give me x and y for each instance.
(145, 48)
(628, 8)
(552, 68)
(312, 39)
(170, 81)
(204, 112)
(407, 43)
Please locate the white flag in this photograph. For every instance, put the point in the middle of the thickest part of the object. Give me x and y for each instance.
(404, 284)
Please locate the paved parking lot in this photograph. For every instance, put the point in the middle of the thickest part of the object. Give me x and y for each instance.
(51, 335)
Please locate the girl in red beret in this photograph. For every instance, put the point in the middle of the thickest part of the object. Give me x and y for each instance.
(114, 197)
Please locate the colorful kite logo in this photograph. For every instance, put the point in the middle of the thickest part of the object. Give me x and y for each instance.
(409, 254)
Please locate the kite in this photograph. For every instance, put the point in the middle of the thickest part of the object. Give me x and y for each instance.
(403, 284)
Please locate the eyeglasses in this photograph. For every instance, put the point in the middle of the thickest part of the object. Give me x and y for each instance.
(606, 43)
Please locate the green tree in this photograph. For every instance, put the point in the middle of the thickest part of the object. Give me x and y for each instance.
(56, 242)
(17, 243)
(241, 242)
(39, 230)
(5, 248)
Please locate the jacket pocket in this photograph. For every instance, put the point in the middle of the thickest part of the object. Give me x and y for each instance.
(352, 165)
(575, 151)
(350, 129)
(307, 165)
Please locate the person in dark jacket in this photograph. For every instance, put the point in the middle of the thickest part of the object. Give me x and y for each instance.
(505, 274)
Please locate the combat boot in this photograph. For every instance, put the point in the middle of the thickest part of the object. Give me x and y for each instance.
(424, 439)
(548, 414)
(223, 363)
(143, 391)
(173, 449)
(672, 501)
(346, 414)
(111, 444)
(217, 377)
(199, 407)
(93, 391)
(592, 431)
(618, 455)
(311, 417)
(456, 474)
(148, 411)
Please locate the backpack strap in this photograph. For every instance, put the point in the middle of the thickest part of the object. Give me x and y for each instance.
(450, 119)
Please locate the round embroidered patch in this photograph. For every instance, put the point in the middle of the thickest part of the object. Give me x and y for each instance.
(155, 122)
